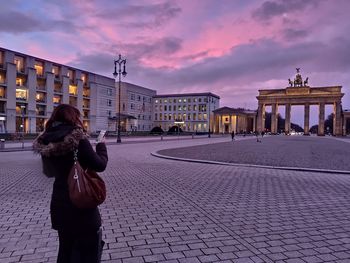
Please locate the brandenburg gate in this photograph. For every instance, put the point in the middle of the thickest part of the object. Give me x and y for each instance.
(299, 93)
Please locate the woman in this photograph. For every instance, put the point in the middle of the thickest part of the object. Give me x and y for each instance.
(80, 237)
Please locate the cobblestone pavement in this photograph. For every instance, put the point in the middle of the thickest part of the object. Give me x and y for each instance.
(160, 210)
(288, 151)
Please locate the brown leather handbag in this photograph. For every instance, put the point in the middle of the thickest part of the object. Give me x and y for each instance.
(86, 187)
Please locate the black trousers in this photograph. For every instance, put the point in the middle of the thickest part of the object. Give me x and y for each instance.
(80, 248)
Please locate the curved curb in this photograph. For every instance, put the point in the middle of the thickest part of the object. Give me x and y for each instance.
(299, 169)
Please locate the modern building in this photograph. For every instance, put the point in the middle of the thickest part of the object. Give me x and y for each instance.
(135, 108)
(31, 87)
(190, 111)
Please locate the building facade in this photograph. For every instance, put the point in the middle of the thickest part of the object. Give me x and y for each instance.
(135, 108)
(191, 112)
(234, 119)
(30, 89)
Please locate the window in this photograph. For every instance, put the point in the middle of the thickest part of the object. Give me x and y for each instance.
(184, 107)
(155, 116)
(165, 101)
(86, 92)
(189, 117)
(179, 107)
(170, 100)
(205, 99)
(160, 116)
(1, 58)
(39, 68)
(156, 101)
(194, 99)
(56, 99)
(132, 96)
(156, 107)
(70, 74)
(132, 106)
(56, 71)
(20, 82)
(165, 107)
(169, 116)
(194, 107)
(138, 97)
(189, 107)
(200, 100)
(2, 92)
(189, 100)
(109, 92)
(165, 116)
(174, 100)
(21, 94)
(179, 100)
(73, 90)
(194, 116)
(202, 107)
(199, 116)
(109, 102)
(205, 116)
(184, 100)
(84, 78)
(40, 97)
(19, 61)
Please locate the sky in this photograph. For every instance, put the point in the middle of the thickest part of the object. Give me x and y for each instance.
(231, 48)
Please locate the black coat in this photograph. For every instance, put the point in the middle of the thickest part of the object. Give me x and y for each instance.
(56, 148)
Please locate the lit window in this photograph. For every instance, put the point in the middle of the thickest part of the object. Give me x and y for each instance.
(156, 101)
(179, 100)
(73, 90)
(19, 82)
(19, 61)
(21, 94)
(56, 99)
(56, 71)
(39, 68)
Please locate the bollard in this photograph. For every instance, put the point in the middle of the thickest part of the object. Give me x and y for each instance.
(161, 137)
(2, 143)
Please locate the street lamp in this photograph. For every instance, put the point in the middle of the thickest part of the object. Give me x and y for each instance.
(117, 73)
(209, 117)
(22, 112)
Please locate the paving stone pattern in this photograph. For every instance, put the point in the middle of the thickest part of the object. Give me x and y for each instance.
(287, 151)
(159, 210)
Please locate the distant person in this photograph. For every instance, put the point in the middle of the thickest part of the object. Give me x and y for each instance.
(233, 135)
(257, 136)
(79, 230)
(262, 134)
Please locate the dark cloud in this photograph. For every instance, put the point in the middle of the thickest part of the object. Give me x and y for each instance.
(16, 22)
(142, 16)
(292, 34)
(270, 9)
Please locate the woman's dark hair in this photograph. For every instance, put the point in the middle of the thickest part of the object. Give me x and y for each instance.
(66, 114)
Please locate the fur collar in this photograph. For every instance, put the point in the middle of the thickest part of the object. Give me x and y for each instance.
(57, 148)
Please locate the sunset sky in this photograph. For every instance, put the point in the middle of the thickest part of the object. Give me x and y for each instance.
(232, 48)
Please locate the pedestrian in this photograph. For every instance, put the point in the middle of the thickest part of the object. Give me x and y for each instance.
(257, 136)
(233, 135)
(79, 230)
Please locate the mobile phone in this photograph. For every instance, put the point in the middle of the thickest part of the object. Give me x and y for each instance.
(101, 135)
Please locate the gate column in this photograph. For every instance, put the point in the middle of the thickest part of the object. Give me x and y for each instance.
(321, 119)
(287, 121)
(307, 119)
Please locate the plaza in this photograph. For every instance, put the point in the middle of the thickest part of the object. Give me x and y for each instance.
(162, 210)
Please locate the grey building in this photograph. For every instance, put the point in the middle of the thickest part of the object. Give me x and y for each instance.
(31, 87)
(193, 112)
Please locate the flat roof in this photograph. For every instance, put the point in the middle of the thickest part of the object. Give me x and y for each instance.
(187, 95)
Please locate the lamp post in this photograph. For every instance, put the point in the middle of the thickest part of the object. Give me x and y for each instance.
(209, 118)
(118, 72)
(22, 113)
